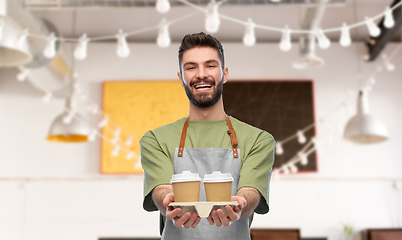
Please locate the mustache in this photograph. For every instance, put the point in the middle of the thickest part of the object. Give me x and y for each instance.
(203, 80)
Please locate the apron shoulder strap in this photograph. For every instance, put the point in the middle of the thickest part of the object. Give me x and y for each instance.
(183, 138)
(231, 132)
(233, 137)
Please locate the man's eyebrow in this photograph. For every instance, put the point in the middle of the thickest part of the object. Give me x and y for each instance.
(189, 63)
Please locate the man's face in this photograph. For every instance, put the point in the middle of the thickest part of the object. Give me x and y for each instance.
(202, 76)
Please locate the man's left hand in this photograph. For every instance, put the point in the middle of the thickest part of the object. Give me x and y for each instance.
(219, 218)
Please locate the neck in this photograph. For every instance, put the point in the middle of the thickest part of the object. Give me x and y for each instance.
(212, 113)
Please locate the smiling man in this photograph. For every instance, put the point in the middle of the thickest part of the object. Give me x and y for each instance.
(207, 140)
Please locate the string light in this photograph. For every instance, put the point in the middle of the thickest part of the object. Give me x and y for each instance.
(163, 6)
(293, 168)
(129, 141)
(303, 158)
(80, 52)
(50, 49)
(123, 50)
(323, 41)
(23, 74)
(104, 122)
(345, 39)
(278, 148)
(389, 66)
(249, 35)
(68, 117)
(130, 155)
(373, 29)
(92, 135)
(115, 151)
(47, 97)
(163, 40)
(389, 21)
(285, 44)
(212, 20)
(300, 137)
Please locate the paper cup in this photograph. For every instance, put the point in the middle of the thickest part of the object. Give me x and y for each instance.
(218, 186)
(186, 187)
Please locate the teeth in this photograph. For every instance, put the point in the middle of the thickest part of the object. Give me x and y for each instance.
(202, 86)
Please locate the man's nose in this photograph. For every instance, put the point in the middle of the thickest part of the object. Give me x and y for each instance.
(202, 72)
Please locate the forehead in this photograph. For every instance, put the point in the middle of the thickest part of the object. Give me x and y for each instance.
(200, 55)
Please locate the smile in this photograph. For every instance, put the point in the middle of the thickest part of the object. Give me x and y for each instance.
(203, 87)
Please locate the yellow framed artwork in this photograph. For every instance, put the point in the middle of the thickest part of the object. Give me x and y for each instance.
(136, 107)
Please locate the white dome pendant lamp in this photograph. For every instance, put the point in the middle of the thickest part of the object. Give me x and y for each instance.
(364, 128)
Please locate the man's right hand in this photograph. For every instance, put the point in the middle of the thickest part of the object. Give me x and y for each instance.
(187, 220)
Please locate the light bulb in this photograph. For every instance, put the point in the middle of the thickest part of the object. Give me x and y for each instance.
(23, 74)
(212, 20)
(389, 66)
(389, 21)
(50, 49)
(373, 29)
(129, 141)
(163, 6)
(249, 36)
(323, 41)
(285, 44)
(95, 109)
(104, 122)
(293, 168)
(80, 52)
(316, 144)
(47, 97)
(303, 158)
(285, 170)
(22, 38)
(115, 151)
(345, 36)
(278, 148)
(92, 135)
(1, 28)
(123, 50)
(163, 40)
(300, 137)
(372, 80)
(116, 132)
(130, 155)
(115, 140)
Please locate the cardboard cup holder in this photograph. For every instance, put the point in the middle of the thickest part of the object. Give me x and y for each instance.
(202, 208)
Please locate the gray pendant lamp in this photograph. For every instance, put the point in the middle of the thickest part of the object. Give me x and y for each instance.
(12, 51)
(68, 127)
(364, 128)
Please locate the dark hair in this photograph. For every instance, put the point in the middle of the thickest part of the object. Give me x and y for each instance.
(200, 40)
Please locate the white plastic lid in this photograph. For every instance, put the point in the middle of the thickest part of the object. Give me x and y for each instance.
(217, 176)
(185, 176)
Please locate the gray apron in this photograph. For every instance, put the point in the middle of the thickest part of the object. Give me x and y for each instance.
(205, 161)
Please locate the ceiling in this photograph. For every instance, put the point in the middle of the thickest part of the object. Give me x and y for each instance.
(104, 18)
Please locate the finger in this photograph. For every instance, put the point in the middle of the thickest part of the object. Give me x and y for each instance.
(210, 220)
(196, 222)
(173, 213)
(179, 221)
(216, 219)
(231, 213)
(168, 199)
(224, 220)
(191, 220)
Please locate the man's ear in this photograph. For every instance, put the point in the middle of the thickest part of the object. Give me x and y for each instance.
(180, 78)
(225, 75)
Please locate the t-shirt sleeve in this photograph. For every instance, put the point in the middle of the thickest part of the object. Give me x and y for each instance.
(158, 168)
(257, 168)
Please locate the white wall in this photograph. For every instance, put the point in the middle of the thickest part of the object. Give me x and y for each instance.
(55, 191)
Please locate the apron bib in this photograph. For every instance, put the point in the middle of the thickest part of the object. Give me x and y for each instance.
(205, 161)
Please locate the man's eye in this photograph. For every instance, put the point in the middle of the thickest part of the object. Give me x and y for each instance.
(211, 66)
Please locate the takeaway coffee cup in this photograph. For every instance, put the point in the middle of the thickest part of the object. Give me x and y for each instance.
(218, 186)
(186, 186)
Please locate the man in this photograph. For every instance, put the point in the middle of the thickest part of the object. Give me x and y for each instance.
(206, 141)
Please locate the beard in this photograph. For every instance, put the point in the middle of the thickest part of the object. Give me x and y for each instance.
(204, 100)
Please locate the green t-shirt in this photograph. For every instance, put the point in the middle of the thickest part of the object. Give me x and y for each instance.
(256, 151)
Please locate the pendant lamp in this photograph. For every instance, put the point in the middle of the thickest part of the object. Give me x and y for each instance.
(67, 127)
(12, 51)
(364, 128)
